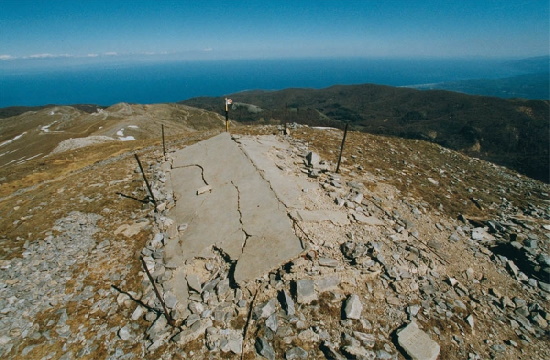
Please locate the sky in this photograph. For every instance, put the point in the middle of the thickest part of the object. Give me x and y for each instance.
(209, 29)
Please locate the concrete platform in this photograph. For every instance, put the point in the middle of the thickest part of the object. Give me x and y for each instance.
(240, 215)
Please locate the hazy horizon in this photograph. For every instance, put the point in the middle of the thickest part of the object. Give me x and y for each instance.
(171, 81)
(99, 31)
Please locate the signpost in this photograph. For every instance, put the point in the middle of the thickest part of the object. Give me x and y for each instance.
(227, 103)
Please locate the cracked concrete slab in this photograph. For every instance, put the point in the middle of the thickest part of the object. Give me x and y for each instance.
(258, 151)
(241, 214)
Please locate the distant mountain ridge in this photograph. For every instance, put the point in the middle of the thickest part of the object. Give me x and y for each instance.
(509, 132)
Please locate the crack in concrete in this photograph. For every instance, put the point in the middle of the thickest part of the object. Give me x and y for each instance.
(197, 165)
(261, 173)
(247, 235)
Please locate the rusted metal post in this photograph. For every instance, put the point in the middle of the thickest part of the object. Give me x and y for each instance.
(146, 182)
(342, 148)
(168, 317)
(163, 143)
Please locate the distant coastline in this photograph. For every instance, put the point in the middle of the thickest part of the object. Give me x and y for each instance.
(172, 81)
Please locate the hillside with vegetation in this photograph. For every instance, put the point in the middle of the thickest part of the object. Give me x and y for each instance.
(509, 132)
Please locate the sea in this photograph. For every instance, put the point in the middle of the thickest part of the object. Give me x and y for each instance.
(171, 81)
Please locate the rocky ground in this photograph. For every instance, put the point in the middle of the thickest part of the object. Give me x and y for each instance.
(414, 251)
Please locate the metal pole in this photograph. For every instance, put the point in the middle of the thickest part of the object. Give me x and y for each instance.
(163, 143)
(168, 317)
(226, 120)
(146, 182)
(342, 148)
(226, 115)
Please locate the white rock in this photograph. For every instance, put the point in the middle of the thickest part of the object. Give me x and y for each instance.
(138, 312)
(470, 321)
(204, 189)
(124, 333)
(353, 307)
(197, 329)
(417, 344)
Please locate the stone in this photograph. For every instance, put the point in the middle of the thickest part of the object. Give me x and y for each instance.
(368, 220)
(329, 349)
(305, 291)
(470, 320)
(138, 312)
(413, 310)
(231, 341)
(358, 352)
(328, 262)
(327, 283)
(470, 274)
(367, 340)
(194, 283)
(531, 243)
(287, 303)
(158, 327)
(544, 259)
(264, 348)
(271, 322)
(353, 307)
(124, 333)
(222, 288)
(544, 286)
(158, 240)
(265, 310)
(315, 216)
(357, 198)
(382, 354)
(196, 307)
(499, 347)
(512, 267)
(353, 250)
(170, 300)
(204, 189)
(416, 343)
(312, 159)
(193, 332)
(296, 353)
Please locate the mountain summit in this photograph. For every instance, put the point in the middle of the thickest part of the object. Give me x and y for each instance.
(216, 245)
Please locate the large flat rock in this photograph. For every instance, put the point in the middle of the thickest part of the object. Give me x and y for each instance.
(240, 215)
(417, 344)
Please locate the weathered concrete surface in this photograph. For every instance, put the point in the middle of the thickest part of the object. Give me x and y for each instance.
(241, 214)
(258, 151)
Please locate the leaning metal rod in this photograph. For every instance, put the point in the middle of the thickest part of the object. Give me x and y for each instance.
(146, 182)
(163, 143)
(342, 148)
(168, 317)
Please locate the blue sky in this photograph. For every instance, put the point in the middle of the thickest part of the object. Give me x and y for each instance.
(191, 29)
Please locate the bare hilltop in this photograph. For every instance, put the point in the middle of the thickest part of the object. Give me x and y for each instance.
(249, 244)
